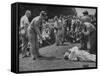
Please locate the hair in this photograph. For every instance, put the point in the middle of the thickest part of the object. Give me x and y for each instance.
(27, 12)
(43, 13)
(85, 12)
(55, 18)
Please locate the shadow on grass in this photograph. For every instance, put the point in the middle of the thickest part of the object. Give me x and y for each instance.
(49, 58)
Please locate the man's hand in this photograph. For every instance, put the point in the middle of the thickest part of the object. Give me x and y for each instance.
(86, 33)
(41, 38)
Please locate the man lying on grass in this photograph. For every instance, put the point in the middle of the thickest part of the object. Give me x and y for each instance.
(79, 55)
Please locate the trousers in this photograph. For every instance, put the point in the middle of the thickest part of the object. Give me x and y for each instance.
(34, 44)
(24, 40)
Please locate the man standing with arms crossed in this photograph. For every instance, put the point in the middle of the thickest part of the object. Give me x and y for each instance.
(24, 23)
(34, 32)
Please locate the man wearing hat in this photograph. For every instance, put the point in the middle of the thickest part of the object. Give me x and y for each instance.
(89, 32)
(85, 17)
(33, 32)
(24, 23)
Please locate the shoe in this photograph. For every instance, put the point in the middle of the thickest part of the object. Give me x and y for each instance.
(34, 58)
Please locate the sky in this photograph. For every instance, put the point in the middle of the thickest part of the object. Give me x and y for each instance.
(80, 10)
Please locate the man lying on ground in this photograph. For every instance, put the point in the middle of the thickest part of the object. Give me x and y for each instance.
(79, 55)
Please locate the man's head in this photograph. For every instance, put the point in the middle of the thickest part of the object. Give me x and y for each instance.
(55, 18)
(28, 13)
(61, 16)
(75, 48)
(43, 15)
(85, 12)
(70, 51)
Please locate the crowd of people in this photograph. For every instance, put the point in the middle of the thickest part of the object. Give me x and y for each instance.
(43, 31)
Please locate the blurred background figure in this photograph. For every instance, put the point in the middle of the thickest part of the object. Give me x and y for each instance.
(24, 23)
(89, 31)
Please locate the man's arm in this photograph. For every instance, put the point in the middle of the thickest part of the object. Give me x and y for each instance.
(24, 23)
(21, 24)
(36, 26)
(85, 32)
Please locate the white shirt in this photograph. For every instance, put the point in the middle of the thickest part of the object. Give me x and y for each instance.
(24, 21)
